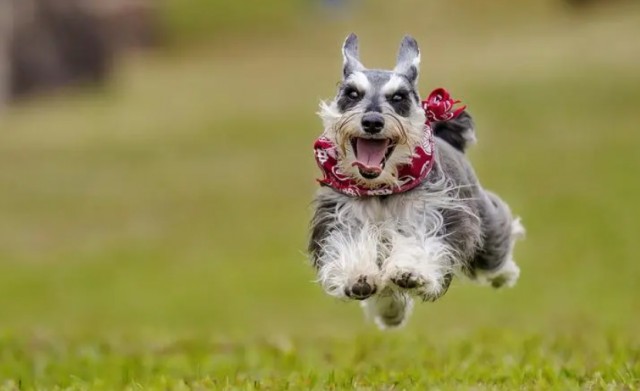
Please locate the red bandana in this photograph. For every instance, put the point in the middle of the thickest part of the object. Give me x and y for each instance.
(437, 107)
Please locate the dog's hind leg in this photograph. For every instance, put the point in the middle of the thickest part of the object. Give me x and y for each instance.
(389, 309)
(493, 263)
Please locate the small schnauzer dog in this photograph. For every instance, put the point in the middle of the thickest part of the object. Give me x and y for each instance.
(400, 210)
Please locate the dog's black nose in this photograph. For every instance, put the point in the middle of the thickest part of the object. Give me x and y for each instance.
(372, 122)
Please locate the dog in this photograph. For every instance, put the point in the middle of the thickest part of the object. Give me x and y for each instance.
(385, 229)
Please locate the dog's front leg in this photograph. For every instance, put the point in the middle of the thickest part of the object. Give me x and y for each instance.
(422, 265)
(347, 262)
(345, 255)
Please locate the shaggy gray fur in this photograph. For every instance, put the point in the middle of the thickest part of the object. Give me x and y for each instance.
(481, 238)
(387, 249)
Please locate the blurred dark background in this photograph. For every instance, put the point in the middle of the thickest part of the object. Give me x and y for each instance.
(156, 166)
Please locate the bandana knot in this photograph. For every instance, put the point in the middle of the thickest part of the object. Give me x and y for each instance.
(438, 107)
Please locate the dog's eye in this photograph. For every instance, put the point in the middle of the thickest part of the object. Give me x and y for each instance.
(353, 94)
(398, 97)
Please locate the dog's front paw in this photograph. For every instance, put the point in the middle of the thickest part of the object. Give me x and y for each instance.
(408, 280)
(363, 288)
(436, 290)
(428, 288)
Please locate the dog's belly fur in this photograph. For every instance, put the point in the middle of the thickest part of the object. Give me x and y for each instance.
(387, 249)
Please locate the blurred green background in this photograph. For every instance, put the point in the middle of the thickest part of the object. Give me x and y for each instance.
(173, 204)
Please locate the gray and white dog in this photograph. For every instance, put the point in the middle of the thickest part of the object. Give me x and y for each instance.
(385, 250)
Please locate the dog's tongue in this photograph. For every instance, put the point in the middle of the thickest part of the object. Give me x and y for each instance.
(370, 153)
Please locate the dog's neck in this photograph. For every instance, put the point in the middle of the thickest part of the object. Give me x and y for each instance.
(438, 107)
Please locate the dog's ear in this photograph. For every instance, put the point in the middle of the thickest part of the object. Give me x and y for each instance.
(350, 56)
(408, 63)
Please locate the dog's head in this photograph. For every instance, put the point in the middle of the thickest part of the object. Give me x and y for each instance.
(376, 119)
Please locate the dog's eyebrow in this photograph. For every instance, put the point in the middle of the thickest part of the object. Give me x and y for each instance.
(401, 90)
(352, 86)
(395, 83)
(359, 80)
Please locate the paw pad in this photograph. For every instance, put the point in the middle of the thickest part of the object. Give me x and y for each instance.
(408, 280)
(427, 290)
(361, 289)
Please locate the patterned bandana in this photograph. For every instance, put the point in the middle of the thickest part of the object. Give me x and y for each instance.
(438, 107)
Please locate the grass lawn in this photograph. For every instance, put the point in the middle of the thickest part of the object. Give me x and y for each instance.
(152, 233)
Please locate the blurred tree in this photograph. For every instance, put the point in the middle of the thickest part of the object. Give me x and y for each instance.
(55, 43)
(5, 38)
(46, 44)
(129, 23)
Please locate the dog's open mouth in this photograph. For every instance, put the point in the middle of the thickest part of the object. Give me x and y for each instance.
(371, 155)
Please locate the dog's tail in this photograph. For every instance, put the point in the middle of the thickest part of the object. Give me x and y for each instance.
(459, 132)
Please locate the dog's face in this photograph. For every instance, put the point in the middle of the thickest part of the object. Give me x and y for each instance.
(375, 119)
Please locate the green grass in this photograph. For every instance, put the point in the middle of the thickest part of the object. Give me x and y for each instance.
(367, 361)
(147, 240)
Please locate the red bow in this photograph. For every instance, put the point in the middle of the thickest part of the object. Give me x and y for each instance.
(439, 104)
(437, 108)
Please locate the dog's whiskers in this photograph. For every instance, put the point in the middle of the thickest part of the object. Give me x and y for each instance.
(340, 129)
(399, 126)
